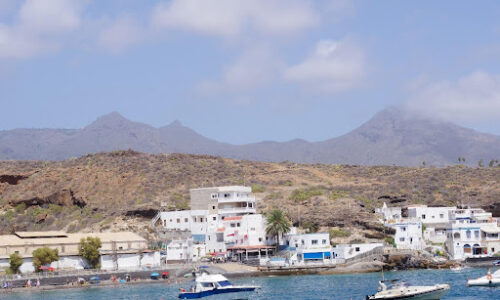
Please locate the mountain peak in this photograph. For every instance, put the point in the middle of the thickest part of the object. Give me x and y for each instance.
(175, 123)
(112, 119)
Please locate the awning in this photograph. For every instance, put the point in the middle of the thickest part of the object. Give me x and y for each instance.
(491, 229)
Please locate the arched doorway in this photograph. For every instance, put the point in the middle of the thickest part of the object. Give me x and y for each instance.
(467, 249)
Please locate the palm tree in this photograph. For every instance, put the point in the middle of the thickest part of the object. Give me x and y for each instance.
(277, 223)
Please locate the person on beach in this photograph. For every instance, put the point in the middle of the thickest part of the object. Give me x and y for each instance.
(37, 282)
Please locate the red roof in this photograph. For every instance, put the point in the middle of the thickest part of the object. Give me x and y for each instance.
(222, 229)
(232, 218)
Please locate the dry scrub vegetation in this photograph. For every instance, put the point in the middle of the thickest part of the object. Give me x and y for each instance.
(94, 191)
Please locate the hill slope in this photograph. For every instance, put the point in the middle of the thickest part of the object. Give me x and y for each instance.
(391, 137)
(104, 190)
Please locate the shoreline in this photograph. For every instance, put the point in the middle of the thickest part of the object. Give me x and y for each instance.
(242, 272)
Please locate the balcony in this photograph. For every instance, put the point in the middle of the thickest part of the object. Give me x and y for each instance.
(237, 210)
(236, 199)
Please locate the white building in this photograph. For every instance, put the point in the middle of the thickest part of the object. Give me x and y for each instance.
(24, 243)
(408, 234)
(389, 213)
(309, 247)
(347, 251)
(221, 219)
(180, 251)
(466, 230)
(430, 215)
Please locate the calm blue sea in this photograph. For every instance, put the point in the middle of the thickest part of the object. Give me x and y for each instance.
(352, 286)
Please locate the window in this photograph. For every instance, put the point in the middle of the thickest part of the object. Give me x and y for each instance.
(213, 207)
(120, 248)
(468, 234)
(402, 239)
(314, 242)
(16, 252)
(209, 237)
(227, 195)
(252, 229)
(214, 218)
(233, 225)
(423, 217)
(324, 242)
(238, 225)
(357, 249)
(164, 223)
(492, 250)
(302, 242)
(185, 220)
(178, 220)
(250, 204)
(476, 234)
(411, 240)
(403, 228)
(170, 220)
(260, 239)
(215, 196)
(441, 216)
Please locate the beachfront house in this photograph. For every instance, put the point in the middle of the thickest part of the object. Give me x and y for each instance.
(469, 233)
(309, 247)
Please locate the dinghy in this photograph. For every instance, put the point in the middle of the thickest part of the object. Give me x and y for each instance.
(400, 290)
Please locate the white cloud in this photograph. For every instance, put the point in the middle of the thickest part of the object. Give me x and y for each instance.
(255, 68)
(39, 27)
(123, 32)
(475, 97)
(332, 67)
(229, 18)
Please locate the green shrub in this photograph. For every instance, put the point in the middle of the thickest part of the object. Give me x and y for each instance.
(338, 233)
(257, 188)
(15, 261)
(334, 195)
(300, 195)
(9, 215)
(310, 227)
(20, 208)
(55, 208)
(390, 240)
(44, 256)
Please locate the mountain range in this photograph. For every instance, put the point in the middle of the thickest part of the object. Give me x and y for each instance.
(391, 137)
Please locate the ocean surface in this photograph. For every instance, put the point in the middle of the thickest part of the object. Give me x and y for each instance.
(351, 286)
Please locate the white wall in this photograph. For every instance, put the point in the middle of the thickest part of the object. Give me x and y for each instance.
(180, 250)
(346, 251)
(408, 235)
(430, 215)
(70, 262)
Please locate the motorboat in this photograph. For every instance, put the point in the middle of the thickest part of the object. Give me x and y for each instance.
(213, 284)
(487, 280)
(401, 290)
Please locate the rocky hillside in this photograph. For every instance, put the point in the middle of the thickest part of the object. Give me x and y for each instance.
(391, 137)
(123, 190)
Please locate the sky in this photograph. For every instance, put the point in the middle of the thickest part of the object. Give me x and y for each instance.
(246, 71)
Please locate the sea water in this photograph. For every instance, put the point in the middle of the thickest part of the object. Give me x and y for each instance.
(349, 286)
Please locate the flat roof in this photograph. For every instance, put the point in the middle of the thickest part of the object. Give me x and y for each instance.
(68, 238)
(40, 234)
(229, 188)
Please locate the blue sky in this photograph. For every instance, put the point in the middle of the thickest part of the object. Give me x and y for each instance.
(246, 71)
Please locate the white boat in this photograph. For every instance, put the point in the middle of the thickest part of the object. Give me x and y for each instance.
(487, 280)
(401, 290)
(212, 284)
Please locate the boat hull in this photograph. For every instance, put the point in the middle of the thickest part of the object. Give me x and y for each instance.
(483, 282)
(431, 295)
(196, 295)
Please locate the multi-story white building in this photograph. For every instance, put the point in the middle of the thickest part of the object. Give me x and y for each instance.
(469, 233)
(221, 219)
(408, 234)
